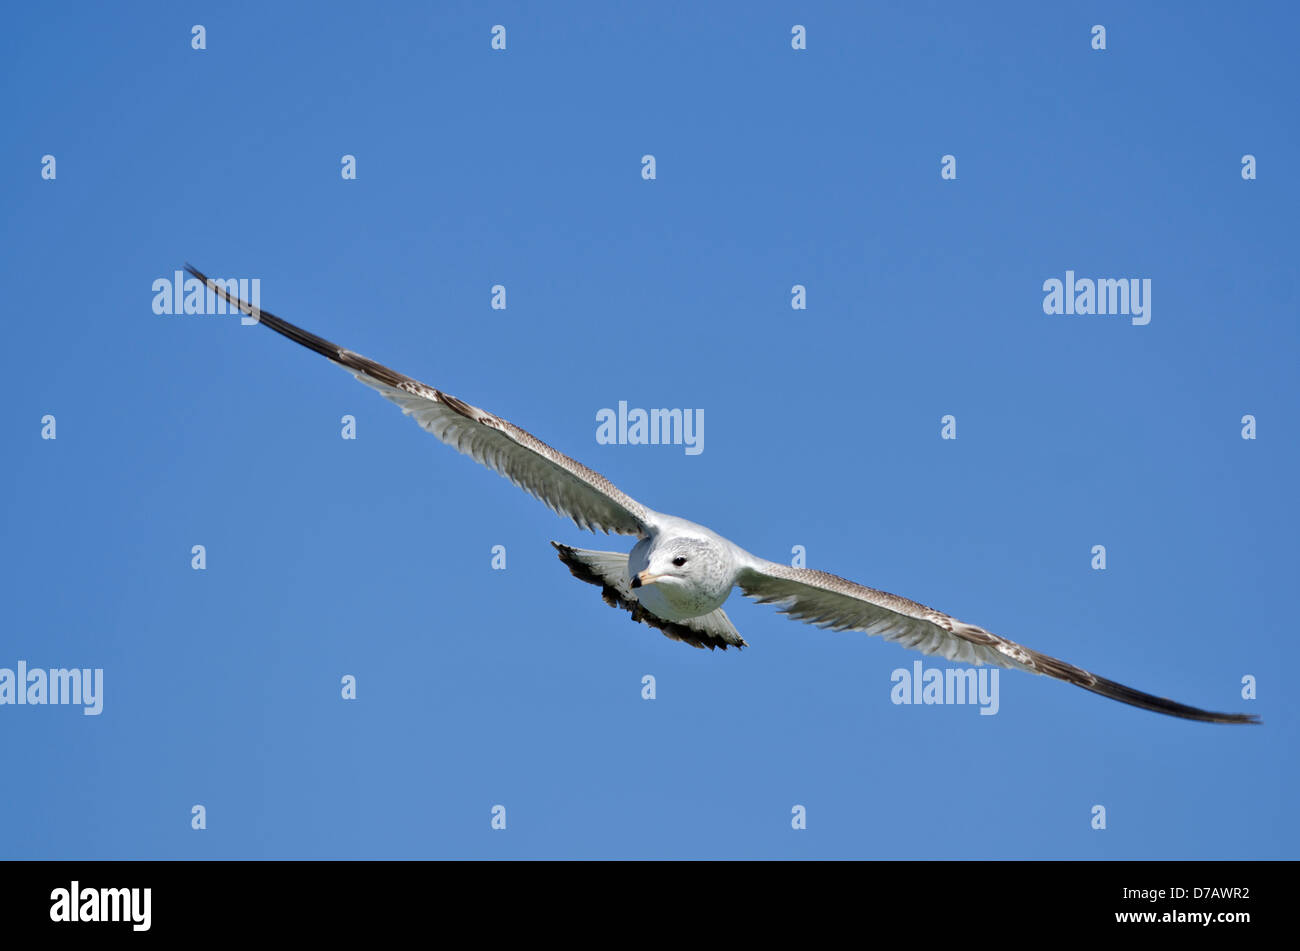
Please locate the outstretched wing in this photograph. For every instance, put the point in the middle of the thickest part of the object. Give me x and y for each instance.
(829, 601)
(564, 484)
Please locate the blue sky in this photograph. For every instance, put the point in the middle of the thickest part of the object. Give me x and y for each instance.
(373, 557)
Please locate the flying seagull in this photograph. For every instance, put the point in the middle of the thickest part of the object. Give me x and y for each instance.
(678, 574)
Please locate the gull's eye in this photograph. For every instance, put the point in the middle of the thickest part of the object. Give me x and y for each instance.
(679, 561)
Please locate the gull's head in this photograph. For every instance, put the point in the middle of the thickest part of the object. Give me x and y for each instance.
(678, 562)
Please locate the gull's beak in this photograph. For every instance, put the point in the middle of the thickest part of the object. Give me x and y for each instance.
(645, 577)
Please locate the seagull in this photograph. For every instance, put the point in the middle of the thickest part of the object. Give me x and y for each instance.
(679, 573)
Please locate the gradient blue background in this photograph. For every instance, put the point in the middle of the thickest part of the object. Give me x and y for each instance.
(372, 557)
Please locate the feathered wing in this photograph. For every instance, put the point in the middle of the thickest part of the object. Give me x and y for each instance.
(829, 601)
(566, 485)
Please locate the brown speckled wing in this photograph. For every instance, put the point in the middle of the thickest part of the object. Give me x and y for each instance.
(830, 601)
(567, 486)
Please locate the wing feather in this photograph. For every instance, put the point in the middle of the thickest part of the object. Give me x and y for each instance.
(830, 601)
(565, 485)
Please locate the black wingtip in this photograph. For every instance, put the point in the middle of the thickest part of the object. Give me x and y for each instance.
(295, 333)
(1136, 698)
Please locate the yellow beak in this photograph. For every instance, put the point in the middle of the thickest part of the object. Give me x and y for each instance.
(645, 577)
